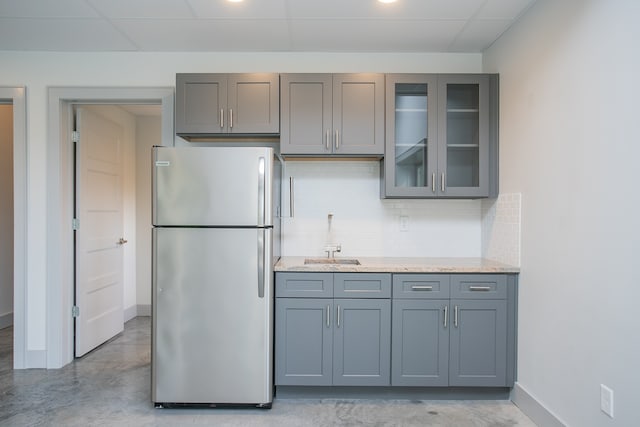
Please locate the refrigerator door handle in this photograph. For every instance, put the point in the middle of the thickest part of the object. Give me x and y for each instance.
(261, 190)
(261, 263)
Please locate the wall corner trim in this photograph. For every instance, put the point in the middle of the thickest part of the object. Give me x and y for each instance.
(532, 408)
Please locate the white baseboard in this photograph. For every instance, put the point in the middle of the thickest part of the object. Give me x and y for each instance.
(36, 359)
(137, 310)
(144, 309)
(530, 406)
(130, 313)
(6, 320)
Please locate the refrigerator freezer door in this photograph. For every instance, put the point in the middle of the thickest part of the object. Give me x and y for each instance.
(212, 186)
(212, 329)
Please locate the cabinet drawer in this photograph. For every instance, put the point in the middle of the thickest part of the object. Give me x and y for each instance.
(362, 285)
(304, 285)
(479, 286)
(421, 286)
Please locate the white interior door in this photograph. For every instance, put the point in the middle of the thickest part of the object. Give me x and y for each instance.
(99, 239)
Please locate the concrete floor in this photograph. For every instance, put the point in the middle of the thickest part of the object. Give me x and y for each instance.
(111, 387)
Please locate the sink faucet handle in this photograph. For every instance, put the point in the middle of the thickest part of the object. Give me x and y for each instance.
(338, 248)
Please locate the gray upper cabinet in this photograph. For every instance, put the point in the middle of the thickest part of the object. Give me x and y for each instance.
(332, 114)
(440, 136)
(211, 104)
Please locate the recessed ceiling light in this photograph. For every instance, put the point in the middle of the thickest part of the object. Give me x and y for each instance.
(238, 1)
(387, 1)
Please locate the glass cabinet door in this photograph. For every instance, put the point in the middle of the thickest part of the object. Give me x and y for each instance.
(462, 131)
(411, 152)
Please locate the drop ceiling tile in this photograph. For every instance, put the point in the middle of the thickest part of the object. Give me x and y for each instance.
(46, 8)
(247, 9)
(143, 8)
(207, 34)
(479, 34)
(503, 9)
(383, 35)
(409, 9)
(61, 35)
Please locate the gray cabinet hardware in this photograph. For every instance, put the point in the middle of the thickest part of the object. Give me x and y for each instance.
(479, 288)
(433, 182)
(291, 191)
(442, 182)
(338, 323)
(446, 315)
(421, 287)
(455, 316)
(221, 118)
(328, 316)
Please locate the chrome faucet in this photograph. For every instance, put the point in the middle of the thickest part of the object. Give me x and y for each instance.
(332, 249)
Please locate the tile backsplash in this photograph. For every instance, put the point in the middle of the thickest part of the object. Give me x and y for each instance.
(501, 228)
(366, 225)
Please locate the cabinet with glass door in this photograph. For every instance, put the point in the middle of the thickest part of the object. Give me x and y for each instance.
(439, 139)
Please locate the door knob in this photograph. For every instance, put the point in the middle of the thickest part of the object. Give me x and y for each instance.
(122, 241)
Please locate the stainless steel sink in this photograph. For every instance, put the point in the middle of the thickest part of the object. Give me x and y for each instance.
(348, 261)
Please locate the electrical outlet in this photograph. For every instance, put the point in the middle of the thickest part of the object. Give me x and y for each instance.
(606, 400)
(404, 223)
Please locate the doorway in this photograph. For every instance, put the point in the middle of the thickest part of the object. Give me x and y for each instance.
(112, 218)
(15, 98)
(60, 249)
(6, 236)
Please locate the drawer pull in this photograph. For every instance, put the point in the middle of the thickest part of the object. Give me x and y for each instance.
(421, 287)
(480, 288)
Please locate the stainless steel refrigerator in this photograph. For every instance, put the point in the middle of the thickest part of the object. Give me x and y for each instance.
(215, 241)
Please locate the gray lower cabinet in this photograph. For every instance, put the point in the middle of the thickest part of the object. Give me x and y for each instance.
(438, 330)
(332, 114)
(304, 341)
(211, 104)
(478, 343)
(321, 340)
(453, 330)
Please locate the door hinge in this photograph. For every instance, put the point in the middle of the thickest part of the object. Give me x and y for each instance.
(75, 136)
(75, 311)
(75, 223)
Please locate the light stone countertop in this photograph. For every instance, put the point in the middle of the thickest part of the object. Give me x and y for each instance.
(399, 265)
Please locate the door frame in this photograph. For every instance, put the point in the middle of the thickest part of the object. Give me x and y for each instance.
(60, 190)
(16, 97)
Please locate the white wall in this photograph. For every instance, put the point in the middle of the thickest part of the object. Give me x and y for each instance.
(40, 70)
(148, 134)
(569, 144)
(364, 224)
(6, 215)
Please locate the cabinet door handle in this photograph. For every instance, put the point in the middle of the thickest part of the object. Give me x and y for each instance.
(338, 323)
(433, 182)
(479, 288)
(421, 287)
(291, 195)
(328, 316)
(446, 315)
(455, 316)
(230, 118)
(221, 118)
(337, 139)
(442, 187)
(328, 139)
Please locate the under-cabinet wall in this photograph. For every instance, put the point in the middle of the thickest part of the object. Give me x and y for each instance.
(364, 224)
